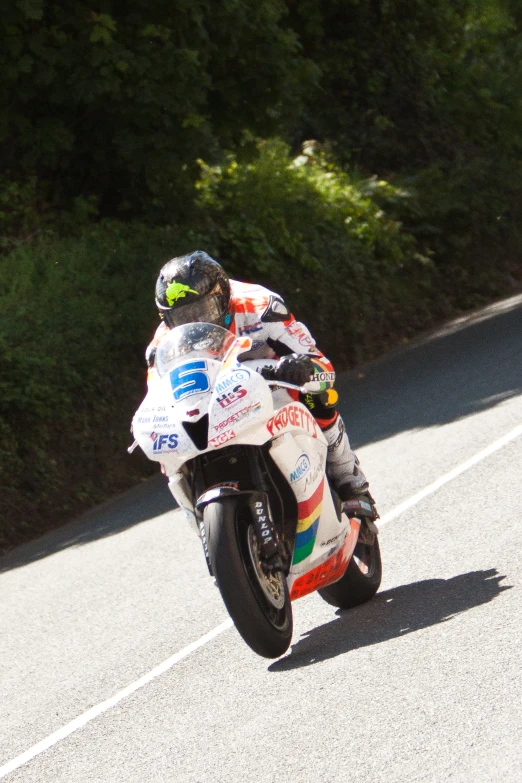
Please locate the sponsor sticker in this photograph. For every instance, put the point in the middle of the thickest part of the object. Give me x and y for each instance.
(313, 475)
(257, 327)
(262, 518)
(226, 383)
(203, 345)
(301, 469)
(299, 333)
(330, 540)
(238, 416)
(222, 438)
(164, 443)
(228, 398)
(293, 416)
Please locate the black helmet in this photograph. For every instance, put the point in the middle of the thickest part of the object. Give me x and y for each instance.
(193, 288)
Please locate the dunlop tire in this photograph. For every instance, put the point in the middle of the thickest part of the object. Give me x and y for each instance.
(268, 632)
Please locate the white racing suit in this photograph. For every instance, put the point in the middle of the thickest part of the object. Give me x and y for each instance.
(263, 316)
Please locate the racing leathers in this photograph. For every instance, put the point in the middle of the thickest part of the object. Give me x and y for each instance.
(262, 315)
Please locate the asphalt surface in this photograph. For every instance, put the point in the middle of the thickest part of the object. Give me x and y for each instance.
(421, 684)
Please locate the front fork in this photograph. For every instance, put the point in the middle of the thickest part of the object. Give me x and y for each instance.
(271, 547)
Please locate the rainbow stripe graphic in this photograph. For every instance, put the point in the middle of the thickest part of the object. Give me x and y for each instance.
(309, 513)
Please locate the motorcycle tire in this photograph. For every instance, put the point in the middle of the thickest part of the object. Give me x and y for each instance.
(360, 581)
(258, 601)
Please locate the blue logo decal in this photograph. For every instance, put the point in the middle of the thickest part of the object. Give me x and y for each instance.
(165, 442)
(189, 378)
(301, 469)
(257, 327)
(230, 380)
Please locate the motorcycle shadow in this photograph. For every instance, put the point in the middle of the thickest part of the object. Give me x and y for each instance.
(393, 613)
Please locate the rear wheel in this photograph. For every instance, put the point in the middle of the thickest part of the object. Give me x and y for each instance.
(257, 599)
(361, 579)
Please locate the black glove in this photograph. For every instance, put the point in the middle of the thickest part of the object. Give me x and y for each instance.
(295, 368)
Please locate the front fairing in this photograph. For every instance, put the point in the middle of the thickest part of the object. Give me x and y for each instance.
(201, 400)
(158, 424)
(241, 402)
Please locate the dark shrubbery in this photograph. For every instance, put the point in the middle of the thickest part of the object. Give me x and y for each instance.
(75, 316)
(320, 237)
(118, 103)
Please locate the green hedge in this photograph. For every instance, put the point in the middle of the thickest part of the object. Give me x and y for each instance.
(321, 238)
(76, 314)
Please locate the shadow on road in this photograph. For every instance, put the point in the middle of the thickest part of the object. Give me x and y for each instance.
(393, 613)
(462, 370)
(139, 504)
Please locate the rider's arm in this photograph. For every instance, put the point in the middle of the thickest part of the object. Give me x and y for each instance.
(285, 336)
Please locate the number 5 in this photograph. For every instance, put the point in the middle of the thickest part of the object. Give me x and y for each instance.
(189, 378)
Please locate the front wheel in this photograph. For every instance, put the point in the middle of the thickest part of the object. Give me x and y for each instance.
(257, 599)
(361, 579)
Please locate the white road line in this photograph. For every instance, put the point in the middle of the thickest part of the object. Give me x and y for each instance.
(462, 468)
(99, 709)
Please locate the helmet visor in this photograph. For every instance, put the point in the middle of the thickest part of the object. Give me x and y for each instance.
(209, 310)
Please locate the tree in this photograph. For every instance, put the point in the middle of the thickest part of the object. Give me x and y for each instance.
(120, 101)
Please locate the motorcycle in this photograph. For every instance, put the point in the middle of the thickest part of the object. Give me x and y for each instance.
(246, 463)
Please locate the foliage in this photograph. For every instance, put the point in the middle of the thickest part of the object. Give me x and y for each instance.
(305, 227)
(383, 70)
(118, 103)
(404, 82)
(19, 211)
(76, 314)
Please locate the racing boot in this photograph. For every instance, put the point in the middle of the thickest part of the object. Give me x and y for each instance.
(342, 465)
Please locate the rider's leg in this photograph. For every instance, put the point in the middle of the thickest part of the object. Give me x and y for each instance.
(342, 465)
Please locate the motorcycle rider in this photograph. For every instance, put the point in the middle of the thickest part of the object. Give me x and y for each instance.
(196, 288)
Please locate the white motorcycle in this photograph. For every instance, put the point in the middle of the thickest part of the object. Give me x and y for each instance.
(246, 463)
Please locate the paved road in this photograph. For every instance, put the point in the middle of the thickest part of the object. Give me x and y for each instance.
(422, 684)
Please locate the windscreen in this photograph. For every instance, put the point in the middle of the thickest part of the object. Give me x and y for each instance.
(207, 341)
